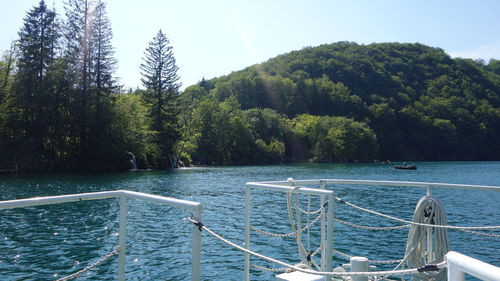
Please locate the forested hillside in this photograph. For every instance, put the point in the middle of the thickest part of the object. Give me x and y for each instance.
(347, 102)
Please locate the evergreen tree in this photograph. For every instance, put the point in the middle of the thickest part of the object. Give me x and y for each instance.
(102, 56)
(7, 65)
(91, 57)
(30, 100)
(77, 35)
(161, 81)
(77, 56)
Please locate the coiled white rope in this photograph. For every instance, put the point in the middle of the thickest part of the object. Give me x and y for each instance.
(322, 273)
(429, 210)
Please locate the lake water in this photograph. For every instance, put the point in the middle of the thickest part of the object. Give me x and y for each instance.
(49, 242)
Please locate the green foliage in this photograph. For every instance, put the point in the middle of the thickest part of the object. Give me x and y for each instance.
(335, 139)
(418, 102)
(221, 133)
(132, 119)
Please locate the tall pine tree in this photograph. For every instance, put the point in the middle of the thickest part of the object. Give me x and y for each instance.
(160, 78)
(91, 57)
(102, 59)
(28, 106)
(7, 65)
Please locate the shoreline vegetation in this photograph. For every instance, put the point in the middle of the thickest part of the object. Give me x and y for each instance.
(62, 109)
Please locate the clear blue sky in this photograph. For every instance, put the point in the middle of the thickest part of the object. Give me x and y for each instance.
(214, 38)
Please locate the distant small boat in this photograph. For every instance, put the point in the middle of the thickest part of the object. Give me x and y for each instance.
(406, 167)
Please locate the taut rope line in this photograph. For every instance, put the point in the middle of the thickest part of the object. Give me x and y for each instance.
(426, 268)
(416, 223)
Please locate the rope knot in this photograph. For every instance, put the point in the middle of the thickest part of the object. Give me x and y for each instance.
(199, 224)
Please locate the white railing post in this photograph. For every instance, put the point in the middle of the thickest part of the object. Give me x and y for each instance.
(196, 256)
(248, 205)
(122, 237)
(455, 274)
(329, 235)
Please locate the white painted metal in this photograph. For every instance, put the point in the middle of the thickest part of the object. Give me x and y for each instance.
(196, 251)
(283, 188)
(123, 195)
(38, 201)
(390, 183)
(323, 225)
(122, 232)
(326, 264)
(248, 207)
(359, 264)
(459, 264)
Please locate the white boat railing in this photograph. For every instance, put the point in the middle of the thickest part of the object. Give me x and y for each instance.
(326, 228)
(123, 195)
(387, 183)
(459, 264)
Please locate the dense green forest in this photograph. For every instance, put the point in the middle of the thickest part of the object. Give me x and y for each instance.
(62, 109)
(347, 102)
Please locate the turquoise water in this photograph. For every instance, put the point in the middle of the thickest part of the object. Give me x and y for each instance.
(49, 242)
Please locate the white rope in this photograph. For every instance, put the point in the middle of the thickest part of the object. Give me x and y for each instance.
(372, 227)
(323, 273)
(308, 212)
(303, 253)
(429, 210)
(481, 233)
(290, 234)
(415, 223)
(95, 264)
